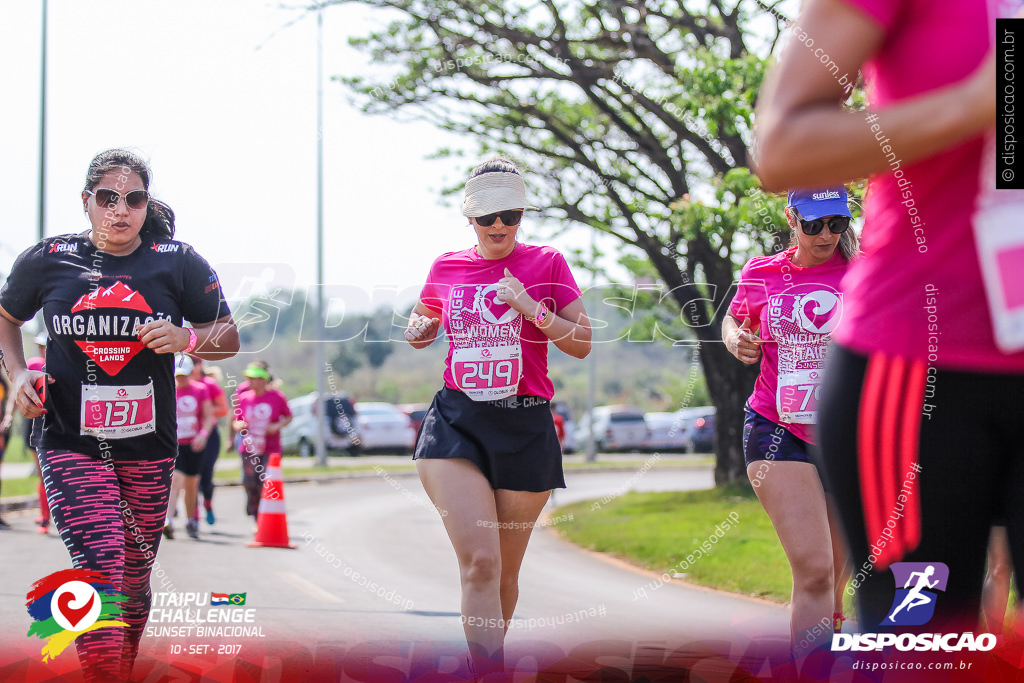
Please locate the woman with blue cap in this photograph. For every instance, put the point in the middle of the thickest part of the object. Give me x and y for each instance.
(783, 315)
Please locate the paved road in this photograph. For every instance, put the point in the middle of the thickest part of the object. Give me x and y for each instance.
(382, 530)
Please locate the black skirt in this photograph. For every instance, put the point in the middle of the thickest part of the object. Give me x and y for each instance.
(512, 441)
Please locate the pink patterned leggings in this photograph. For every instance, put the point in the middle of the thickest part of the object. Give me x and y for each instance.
(110, 515)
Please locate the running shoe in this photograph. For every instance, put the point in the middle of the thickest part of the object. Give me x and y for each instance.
(192, 528)
(168, 531)
(210, 519)
(42, 526)
(4, 525)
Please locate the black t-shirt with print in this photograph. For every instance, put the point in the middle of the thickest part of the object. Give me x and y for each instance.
(111, 394)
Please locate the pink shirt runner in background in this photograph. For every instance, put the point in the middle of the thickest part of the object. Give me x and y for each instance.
(211, 387)
(484, 333)
(795, 310)
(258, 412)
(190, 410)
(918, 291)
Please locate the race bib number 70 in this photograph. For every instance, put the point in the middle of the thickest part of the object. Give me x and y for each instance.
(797, 399)
(114, 412)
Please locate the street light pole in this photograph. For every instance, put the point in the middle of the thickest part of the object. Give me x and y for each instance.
(592, 365)
(41, 228)
(321, 364)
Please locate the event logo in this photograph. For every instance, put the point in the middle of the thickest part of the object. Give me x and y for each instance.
(71, 602)
(914, 603)
(90, 320)
(818, 312)
(483, 304)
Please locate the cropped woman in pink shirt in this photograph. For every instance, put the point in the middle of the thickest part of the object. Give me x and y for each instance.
(921, 408)
(487, 451)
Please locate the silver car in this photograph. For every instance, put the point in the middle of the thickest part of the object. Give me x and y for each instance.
(384, 427)
(667, 432)
(615, 428)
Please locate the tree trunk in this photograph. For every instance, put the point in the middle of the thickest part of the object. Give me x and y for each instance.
(729, 381)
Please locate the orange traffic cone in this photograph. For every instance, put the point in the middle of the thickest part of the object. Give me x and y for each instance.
(271, 523)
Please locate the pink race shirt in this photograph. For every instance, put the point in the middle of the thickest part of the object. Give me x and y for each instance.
(258, 412)
(190, 410)
(212, 387)
(493, 351)
(918, 291)
(795, 310)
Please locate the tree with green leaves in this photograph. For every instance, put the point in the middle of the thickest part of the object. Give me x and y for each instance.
(632, 118)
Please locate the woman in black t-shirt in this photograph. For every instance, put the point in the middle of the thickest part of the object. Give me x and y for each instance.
(114, 300)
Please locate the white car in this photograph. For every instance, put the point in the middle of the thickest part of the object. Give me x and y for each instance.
(667, 432)
(382, 426)
(615, 428)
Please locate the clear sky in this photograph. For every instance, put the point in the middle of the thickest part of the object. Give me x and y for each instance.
(221, 97)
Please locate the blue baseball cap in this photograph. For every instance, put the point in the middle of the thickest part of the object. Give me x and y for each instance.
(824, 201)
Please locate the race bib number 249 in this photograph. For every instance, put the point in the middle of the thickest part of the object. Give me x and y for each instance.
(489, 373)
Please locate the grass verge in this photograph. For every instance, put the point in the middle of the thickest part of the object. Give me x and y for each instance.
(683, 533)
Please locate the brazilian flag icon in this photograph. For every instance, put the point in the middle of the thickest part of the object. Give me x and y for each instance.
(237, 598)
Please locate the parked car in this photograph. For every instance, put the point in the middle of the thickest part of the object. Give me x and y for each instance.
(382, 426)
(569, 443)
(341, 431)
(667, 432)
(615, 428)
(415, 411)
(700, 428)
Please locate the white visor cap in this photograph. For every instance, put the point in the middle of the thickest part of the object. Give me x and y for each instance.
(493, 192)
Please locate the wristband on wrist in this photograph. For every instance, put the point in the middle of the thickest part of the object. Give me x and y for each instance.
(540, 316)
(203, 433)
(192, 339)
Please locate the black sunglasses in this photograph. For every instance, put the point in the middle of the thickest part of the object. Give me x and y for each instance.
(508, 218)
(136, 199)
(836, 224)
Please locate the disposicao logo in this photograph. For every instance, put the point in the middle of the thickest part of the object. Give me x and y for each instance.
(71, 602)
(917, 586)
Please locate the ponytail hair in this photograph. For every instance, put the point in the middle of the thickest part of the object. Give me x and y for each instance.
(159, 223)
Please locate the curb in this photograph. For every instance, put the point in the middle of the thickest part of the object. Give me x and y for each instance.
(31, 501)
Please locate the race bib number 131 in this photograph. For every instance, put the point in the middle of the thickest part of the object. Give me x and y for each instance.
(117, 412)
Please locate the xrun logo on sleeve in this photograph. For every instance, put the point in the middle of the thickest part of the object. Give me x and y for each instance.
(71, 602)
(918, 585)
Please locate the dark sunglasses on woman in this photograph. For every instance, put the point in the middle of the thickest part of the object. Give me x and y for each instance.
(836, 224)
(508, 218)
(136, 199)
